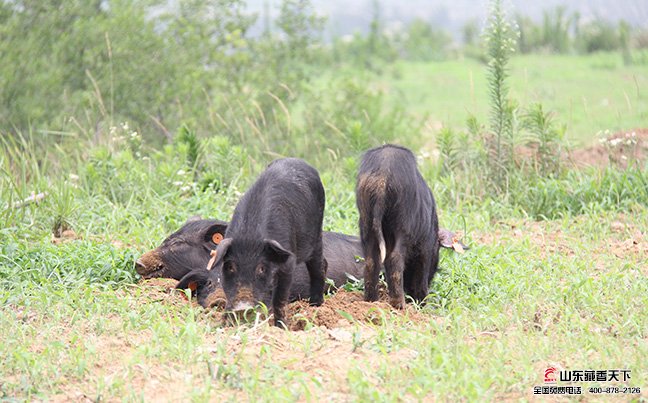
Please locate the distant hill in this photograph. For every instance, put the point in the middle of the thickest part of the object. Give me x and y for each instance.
(349, 16)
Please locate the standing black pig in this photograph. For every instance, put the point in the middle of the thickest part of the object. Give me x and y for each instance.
(398, 224)
(276, 225)
(341, 252)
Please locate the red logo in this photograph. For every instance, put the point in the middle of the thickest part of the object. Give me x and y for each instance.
(550, 374)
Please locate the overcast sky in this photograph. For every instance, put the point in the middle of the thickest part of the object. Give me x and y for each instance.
(348, 16)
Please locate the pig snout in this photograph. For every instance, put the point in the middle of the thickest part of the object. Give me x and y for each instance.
(243, 301)
(242, 306)
(139, 266)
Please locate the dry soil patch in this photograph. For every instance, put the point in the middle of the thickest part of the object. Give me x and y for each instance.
(618, 149)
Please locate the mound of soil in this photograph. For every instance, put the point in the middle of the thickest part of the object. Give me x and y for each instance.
(166, 284)
(617, 150)
(338, 310)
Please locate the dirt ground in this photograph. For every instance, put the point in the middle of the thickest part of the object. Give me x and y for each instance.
(626, 240)
(618, 149)
(343, 324)
(326, 358)
(339, 310)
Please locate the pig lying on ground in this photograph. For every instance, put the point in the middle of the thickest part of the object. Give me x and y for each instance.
(186, 249)
(398, 224)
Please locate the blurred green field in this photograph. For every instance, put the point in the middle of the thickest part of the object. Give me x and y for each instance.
(588, 93)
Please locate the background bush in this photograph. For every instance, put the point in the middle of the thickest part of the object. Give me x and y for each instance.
(132, 104)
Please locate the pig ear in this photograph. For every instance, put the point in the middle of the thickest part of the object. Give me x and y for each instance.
(448, 239)
(193, 280)
(445, 237)
(193, 218)
(275, 252)
(221, 251)
(215, 233)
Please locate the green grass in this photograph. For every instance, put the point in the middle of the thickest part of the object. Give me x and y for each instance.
(590, 94)
(547, 294)
(528, 295)
(570, 291)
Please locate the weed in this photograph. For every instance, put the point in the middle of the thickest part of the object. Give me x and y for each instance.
(500, 40)
(547, 140)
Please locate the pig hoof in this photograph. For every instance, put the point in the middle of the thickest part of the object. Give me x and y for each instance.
(397, 303)
(370, 296)
(316, 302)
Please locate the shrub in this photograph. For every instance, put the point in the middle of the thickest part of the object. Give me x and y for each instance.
(598, 36)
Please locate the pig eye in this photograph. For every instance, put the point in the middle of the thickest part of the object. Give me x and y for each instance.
(260, 270)
(174, 241)
(229, 268)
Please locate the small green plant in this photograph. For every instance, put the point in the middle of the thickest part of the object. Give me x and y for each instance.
(191, 144)
(63, 201)
(448, 150)
(556, 29)
(625, 35)
(487, 159)
(546, 139)
(599, 35)
(353, 284)
(22, 179)
(422, 42)
(500, 39)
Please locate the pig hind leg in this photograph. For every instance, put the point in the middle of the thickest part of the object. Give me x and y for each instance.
(417, 276)
(394, 269)
(373, 266)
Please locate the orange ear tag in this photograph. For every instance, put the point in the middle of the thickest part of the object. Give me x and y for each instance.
(217, 238)
(192, 286)
(211, 262)
(456, 245)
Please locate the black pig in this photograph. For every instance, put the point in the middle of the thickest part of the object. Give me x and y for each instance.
(342, 252)
(190, 246)
(398, 224)
(184, 250)
(276, 225)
